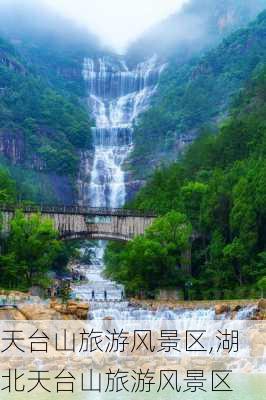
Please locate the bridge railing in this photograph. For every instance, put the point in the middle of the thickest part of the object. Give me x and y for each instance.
(78, 210)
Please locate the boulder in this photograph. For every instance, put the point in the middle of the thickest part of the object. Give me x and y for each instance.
(38, 312)
(82, 311)
(262, 305)
(72, 309)
(72, 303)
(222, 309)
(53, 303)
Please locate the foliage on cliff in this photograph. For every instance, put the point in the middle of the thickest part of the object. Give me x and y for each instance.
(51, 45)
(197, 94)
(54, 127)
(220, 188)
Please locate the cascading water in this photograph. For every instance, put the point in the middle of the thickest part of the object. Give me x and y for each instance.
(116, 96)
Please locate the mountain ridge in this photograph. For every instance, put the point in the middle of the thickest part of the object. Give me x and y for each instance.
(196, 96)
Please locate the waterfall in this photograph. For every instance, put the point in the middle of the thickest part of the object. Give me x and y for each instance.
(117, 94)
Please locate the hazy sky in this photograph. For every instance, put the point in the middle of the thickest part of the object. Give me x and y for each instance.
(117, 22)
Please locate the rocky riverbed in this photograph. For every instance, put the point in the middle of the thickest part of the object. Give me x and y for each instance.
(22, 306)
(253, 309)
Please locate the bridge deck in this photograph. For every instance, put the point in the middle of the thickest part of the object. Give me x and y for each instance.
(78, 210)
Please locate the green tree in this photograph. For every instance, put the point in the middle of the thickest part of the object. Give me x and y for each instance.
(154, 260)
(31, 249)
(192, 196)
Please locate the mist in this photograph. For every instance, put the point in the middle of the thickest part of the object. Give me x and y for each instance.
(198, 26)
(139, 27)
(117, 23)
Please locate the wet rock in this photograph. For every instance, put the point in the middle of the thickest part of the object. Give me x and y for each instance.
(53, 303)
(82, 311)
(71, 307)
(262, 305)
(222, 309)
(237, 308)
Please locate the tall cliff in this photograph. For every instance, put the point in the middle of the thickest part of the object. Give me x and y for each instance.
(42, 129)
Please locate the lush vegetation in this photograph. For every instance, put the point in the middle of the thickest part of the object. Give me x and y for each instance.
(53, 126)
(196, 94)
(219, 188)
(29, 251)
(32, 247)
(153, 260)
(43, 127)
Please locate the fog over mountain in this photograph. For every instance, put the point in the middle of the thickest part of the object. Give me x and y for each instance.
(200, 23)
(116, 23)
(34, 21)
(145, 27)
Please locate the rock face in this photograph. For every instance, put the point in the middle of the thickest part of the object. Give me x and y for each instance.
(12, 146)
(11, 63)
(132, 187)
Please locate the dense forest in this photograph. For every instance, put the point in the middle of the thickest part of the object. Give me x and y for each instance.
(215, 197)
(53, 126)
(195, 95)
(47, 127)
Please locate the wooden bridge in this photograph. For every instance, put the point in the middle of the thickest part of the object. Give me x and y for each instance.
(75, 222)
